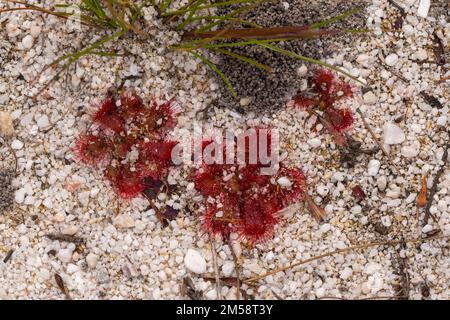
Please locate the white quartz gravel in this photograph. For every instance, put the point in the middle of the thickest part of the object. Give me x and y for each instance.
(127, 255)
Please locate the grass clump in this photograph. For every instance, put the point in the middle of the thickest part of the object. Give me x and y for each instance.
(208, 28)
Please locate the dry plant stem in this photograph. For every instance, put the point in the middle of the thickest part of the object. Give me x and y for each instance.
(375, 138)
(30, 7)
(155, 208)
(404, 275)
(60, 283)
(236, 267)
(11, 150)
(297, 32)
(216, 270)
(317, 212)
(8, 256)
(433, 189)
(331, 253)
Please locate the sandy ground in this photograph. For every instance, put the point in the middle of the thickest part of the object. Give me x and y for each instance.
(126, 253)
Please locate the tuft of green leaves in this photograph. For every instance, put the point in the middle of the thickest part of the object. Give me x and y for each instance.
(203, 30)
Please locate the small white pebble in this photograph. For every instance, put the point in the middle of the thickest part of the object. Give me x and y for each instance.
(245, 101)
(408, 29)
(346, 273)
(70, 231)
(325, 228)
(284, 182)
(19, 195)
(393, 134)
(314, 142)
(322, 190)
(386, 221)
(424, 7)
(43, 122)
(410, 151)
(48, 203)
(364, 60)
(227, 268)
(373, 167)
(65, 255)
(35, 31)
(302, 70)
(17, 144)
(123, 221)
(339, 176)
(441, 121)
(381, 183)
(369, 98)
(92, 260)
(391, 59)
(27, 42)
(421, 54)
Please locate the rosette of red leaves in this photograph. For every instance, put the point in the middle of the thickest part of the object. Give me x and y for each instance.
(242, 200)
(326, 91)
(121, 125)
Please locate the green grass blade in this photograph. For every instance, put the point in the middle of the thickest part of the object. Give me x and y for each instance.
(207, 6)
(307, 59)
(342, 16)
(246, 60)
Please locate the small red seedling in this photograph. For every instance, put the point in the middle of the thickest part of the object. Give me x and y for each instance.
(123, 126)
(326, 91)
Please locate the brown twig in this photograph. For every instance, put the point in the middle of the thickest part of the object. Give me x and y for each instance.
(65, 238)
(404, 286)
(8, 256)
(331, 253)
(375, 138)
(158, 213)
(62, 286)
(30, 7)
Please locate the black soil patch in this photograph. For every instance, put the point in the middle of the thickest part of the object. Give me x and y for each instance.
(270, 91)
(6, 190)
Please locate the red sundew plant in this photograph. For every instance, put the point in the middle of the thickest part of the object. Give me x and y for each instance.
(238, 199)
(129, 140)
(327, 90)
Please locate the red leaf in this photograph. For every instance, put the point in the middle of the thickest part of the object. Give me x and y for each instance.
(131, 104)
(358, 193)
(127, 183)
(258, 218)
(222, 216)
(298, 188)
(341, 119)
(107, 116)
(91, 149)
(209, 182)
(323, 81)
